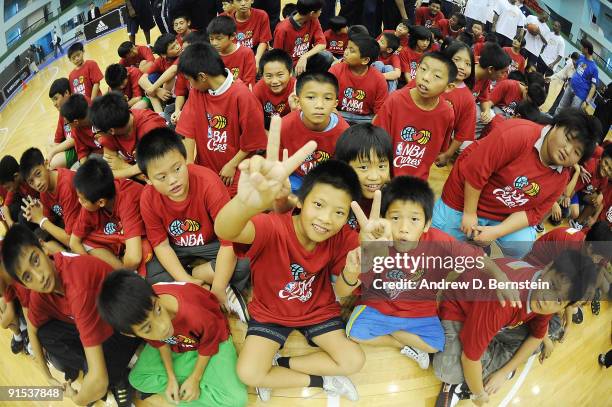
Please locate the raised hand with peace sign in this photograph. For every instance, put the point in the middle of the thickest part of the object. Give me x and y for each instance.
(374, 228)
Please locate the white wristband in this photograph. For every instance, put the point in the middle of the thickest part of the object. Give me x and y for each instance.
(43, 220)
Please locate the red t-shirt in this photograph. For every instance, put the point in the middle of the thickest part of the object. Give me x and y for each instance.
(83, 78)
(132, 89)
(291, 285)
(274, 104)
(3, 194)
(477, 48)
(418, 135)
(161, 64)
(336, 43)
(64, 203)
(86, 143)
(420, 302)
(198, 324)
(362, 95)
(482, 320)
(598, 183)
(123, 221)
(481, 90)
(392, 60)
(606, 212)
(181, 86)
(63, 131)
(144, 53)
(144, 121)
(186, 223)
(518, 61)
(82, 278)
(298, 40)
(294, 134)
(403, 40)
(409, 61)
(253, 31)
(424, 17)
(444, 25)
(507, 168)
(507, 95)
(550, 245)
(17, 291)
(23, 190)
(462, 100)
(235, 122)
(241, 63)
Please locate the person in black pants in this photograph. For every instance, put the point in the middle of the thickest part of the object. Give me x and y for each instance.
(392, 15)
(273, 8)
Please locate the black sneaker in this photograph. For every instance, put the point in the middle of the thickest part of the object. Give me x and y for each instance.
(17, 346)
(595, 304)
(539, 228)
(578, 317)
(123, 393)
(450, 394)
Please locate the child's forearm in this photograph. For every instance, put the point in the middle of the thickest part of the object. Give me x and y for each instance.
(144, 82)
(346, 283)
(76, 245)
(393, 75)
(238, 158)
(224, 268)
(472, 371)
(37, 349)
(315, 50)
(165, 77)
(170, 262)
(165, 354)
(199, 368)
(6, 214)
(95, 90)
(179, 103)
(190, 146)
(261, 49)
(470, 199)
(127, 172)
(453, 147)
(134, 100)
(571, 185)
(63, 146)
(133, 253)
(233, 218)
(514, 222)
(522, 354)
(58, 233)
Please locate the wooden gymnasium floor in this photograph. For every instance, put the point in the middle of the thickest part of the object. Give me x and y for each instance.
(571, 377)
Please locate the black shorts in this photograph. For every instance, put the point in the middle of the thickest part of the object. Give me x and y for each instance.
(280, 333)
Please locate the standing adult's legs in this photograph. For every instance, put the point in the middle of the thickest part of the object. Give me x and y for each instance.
(273, 8)
(372, 16)
(391, 15)
(352, 10)
(329, 10)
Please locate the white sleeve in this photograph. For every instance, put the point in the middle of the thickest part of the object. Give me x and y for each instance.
(561, 48)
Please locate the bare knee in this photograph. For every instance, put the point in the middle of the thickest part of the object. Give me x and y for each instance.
(352, 358)
(249, 373)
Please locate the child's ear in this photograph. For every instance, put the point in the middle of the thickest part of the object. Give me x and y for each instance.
(427, 226)
(365, 61)
(450, 86)
(46, 164)
(202, 77)
(102, 202)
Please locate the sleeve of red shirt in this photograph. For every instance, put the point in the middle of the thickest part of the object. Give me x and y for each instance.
(146, 53)
(81, 149)
(395, 61)
(59, 131)
(181, 86)
(251, 120)
(156, 67)
(383, 116)
(129, 212)
(265, 227)
(37, 314)
(465, 123)
(250, 72)
(381, 94)
(484, 94)
(348, 239)
(481, 325)
(153, 222)
(279, 37)
(82, 227)
(95, 74)
(538, 326)
(419, 16)
(499, 91)
(186, 123)
(136, 90)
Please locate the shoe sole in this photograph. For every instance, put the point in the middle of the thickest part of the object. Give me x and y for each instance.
(242, 302)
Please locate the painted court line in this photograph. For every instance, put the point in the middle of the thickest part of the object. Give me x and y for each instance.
(519, 382)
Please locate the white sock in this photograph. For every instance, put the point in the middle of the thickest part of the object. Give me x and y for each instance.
(17, 337)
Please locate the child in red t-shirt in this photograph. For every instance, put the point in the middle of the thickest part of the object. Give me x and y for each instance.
(138, 56)
(178, 208)
(410, 57)
(63, 319)
(429, 16)
(13, 189)
(187, 337)
(63, 153)
(418, 120)
(182, 27)
(75, 111)
(120, 130)
(15, 298)
(514, 52)
(252, 27)
(388, 62)
(293, 258)
(300, 35)
(235, 118)
(451, 27)
(276, 84)
(316, 121)
(337, 36)
(477, 35)
(362, 89)
(238, 59)
(125, 81)
(159, 79)
(86, 76)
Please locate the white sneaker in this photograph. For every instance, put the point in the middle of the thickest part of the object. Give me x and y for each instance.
(265, 393)
(340, 386)
(574, 224)
(235, 303)
(422, 358)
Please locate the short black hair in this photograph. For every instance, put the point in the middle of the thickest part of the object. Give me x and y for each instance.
(114, 75)
(288, 10)
(517, 75)
(599, 236)
(319, 62)
(276, 55)
(337, 23)
(580, 271)
(201, 58)
(453, 48)
(587, 129)
(491, 37)
(448, 62)
(157, 143)
(336, 173)
(17, 238)
(588, 45)
(435, 1)
(392, 40)
(574, 55)
(357, 29)
(109, 111)
(224, 25)
(418, 32)
(75, 108)
(358, 142)
(480, 23)
(94, 180)
(437, 34)
(182, 14)
(305, 7)
(466, 38)
(8, 168)
(461, 21)
(529, 111)
(320, 77)
(493, 55)
(59, 86)
(76, 47)
(537, 93)
(196, 36)
(411, 189)
(125, 300)
(368, 47)
(124, 49)
(30, 158)
(160, 47)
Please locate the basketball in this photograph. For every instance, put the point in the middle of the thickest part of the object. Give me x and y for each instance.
(533, 29)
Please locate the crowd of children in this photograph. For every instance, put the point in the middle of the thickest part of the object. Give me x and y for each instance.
(244, 164)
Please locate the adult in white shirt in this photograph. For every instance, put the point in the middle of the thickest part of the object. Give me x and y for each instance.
(553, 51)
(508, 22)
(558, 82)
(476, 10)
(535, 43)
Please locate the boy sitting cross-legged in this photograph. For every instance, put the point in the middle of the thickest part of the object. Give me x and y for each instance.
(292, 260)
(190, 355)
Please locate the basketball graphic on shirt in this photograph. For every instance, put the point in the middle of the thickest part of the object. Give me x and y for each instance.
(298, 41)
(268, 107)
(178, 227)
(249, 34)
(57, 209)
(609, 214)
(532, 190)
(110, 228)
(218, 122)
(306, 38)
(75, 82)
(298, 272)
(348, 92)
(407, 133)
(360, 94)
(332, 44)
(581, 68)
(340, 44)
(422, 137)
(521, 182)
(240, 36)
(235, 72)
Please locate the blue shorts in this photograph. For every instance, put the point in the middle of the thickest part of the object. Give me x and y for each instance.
(368, 323)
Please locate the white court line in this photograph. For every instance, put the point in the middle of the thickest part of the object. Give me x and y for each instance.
(3, 140)
(517, 385)
(333, 401)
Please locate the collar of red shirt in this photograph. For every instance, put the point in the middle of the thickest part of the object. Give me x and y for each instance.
(538, 146)
(225, 86)
(533, 279)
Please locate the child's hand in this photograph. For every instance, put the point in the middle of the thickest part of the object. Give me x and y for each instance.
(585, 176)
(172, 390)
(495, 381)
(486, 116)
(262, 179)
(175, 116)
(293, 101)
(549, 346)
(373, 228)
(565, 201)
(556, 212)
(468, 223)
(484, 235)
(301, 65)
(352, 267)
(190, 389)
(69, 391)
(115, 162)
(32, 209)
(227, 173)
(163, 94)
(442, 160)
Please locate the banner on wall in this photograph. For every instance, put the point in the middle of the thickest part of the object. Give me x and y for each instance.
(14, 84)
(103, 24)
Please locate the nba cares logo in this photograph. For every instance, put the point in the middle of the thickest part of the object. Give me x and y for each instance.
(217, 122)
(529, 188)
(177, 227)
(411, 134)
